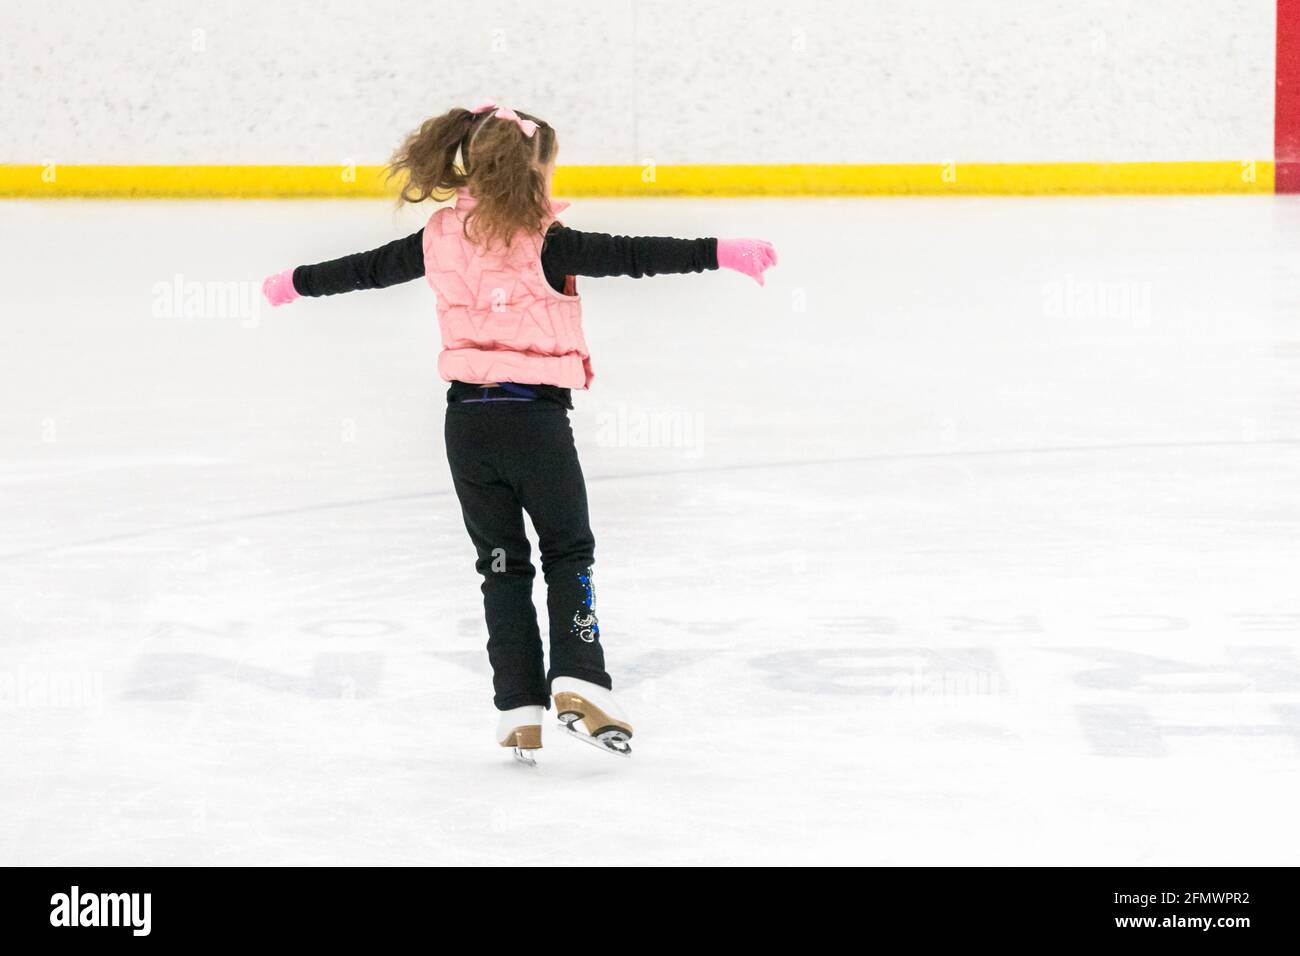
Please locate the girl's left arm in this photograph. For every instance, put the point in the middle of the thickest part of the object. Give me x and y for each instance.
(398, 261)
(568, 252)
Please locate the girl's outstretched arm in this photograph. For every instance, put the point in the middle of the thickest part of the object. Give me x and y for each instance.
(570, 252)
(398, 261)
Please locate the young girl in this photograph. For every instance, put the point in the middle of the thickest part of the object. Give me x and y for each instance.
(503, 269)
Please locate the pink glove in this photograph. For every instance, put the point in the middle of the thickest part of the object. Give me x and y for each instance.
(279, 289)
(750, 256)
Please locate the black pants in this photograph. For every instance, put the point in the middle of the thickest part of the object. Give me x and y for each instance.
(507, 458)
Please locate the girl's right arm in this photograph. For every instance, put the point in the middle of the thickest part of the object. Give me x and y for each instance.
(398, 261)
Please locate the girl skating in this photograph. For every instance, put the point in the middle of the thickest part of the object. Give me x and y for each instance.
(504, 270)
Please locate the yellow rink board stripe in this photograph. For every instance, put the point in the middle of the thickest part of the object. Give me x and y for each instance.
(799, 179)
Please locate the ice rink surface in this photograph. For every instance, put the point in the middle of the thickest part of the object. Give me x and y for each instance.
(974, 537)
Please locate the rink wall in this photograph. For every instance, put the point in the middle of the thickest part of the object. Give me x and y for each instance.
(833, 97)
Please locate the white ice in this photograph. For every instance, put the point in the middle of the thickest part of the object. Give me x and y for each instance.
(973, 537)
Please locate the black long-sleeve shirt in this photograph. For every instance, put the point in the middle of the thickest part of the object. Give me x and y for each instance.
(565, 253)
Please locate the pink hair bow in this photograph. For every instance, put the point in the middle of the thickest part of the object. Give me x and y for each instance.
(527, 127)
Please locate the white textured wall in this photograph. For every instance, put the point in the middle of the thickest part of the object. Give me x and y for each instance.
(333, 81)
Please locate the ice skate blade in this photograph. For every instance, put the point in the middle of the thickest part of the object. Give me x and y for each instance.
(602, 730)
(571, 706)
(523, 741)
(611, 741)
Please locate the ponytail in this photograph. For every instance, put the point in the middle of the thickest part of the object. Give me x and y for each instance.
(427, 158)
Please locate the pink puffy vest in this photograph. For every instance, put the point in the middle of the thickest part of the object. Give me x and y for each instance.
(500, 319)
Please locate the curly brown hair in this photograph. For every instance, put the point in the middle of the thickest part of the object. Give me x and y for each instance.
(503, 169)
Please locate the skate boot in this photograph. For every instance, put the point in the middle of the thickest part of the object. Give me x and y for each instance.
(590, 713)
(521, 728)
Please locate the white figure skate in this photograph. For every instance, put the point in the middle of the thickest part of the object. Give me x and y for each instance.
(582, 704)
(521, 728)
